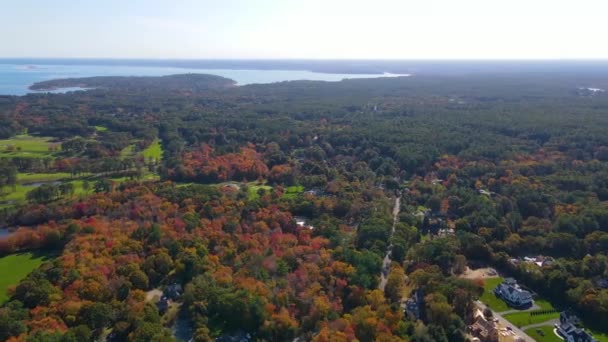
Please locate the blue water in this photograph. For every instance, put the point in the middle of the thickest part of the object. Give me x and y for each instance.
(16, 78)
(4, 233)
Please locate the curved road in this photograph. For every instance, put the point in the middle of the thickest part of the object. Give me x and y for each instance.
(386, 263)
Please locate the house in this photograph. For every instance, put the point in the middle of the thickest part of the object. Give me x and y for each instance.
(571, 333)
(173, 291)
(415, 305)
(602, 283)
(539, 260)
(163, 305)
(483, 328)
(484, 192)
(567, 328)
(512, 294)
(302, 222)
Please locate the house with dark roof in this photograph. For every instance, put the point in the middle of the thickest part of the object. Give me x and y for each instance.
(513, 295)
(414, 305)
(174, 291)
(567, 328)
(602, 283)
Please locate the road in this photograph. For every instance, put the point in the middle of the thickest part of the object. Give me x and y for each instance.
(506, 323)
(386, 263)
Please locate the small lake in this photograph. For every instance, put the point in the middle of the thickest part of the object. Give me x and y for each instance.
(16, 78)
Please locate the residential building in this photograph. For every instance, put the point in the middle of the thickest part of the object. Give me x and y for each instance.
(483, 328)
(512, 294)
(415, 304)
(567, 328)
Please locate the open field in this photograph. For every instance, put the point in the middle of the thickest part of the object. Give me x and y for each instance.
(543, 334)
(27, 145)
(252, 192)
(600, 337)
(154, 151)
(128, 151)
(549, 336)
(293, 191)
(100, 128)
(15, 267)
(543, 304)
(15, 194)
(489, 298)
(25, 178)
(521, 319)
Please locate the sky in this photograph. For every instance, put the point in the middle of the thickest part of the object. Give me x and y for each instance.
(307, 29)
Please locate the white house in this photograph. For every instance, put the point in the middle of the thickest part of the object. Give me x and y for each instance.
(515, 296)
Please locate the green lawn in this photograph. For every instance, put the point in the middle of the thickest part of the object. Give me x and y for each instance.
(293, 191)
(24, 145)
(154, 151)
(15, 267)
(252, 193)
(128, 151)
(41, 177)
(543, 304)
(15, 194)
(20, 193)
(100, 128)
(547, 334)
(521, 319)
(600, 337)
(489, 298)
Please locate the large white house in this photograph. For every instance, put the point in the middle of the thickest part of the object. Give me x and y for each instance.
(515, 296)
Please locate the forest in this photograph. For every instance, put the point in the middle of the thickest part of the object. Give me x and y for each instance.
(264, 212)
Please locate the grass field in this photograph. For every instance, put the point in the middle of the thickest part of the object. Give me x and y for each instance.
(252, 192)
(27, 145)
(600, 337)
(547, 334)
(521, 319)
(489, 298)
(41, 177)
(543, 304)
(100, 128)
(128, 151)
(154, 151)
(15, 194)
(15, 267)
(293, 191)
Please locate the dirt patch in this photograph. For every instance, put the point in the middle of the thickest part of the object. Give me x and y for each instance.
(154, 295)
(480, 273)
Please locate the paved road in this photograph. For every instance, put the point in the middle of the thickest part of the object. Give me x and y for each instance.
(507, 323)
(386, 263)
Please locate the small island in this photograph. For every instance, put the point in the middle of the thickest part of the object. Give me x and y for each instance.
(195, 83)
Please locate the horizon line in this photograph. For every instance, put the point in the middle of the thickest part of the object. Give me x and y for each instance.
(320, 59)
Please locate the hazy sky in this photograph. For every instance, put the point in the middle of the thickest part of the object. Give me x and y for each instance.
(389, 29)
